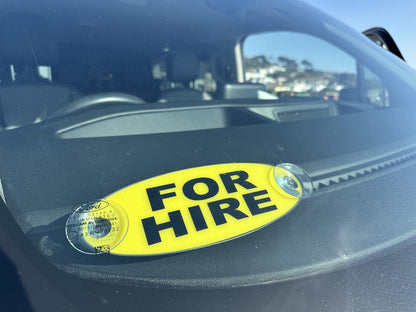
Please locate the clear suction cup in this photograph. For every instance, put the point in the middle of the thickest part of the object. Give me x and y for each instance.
(293, 180)
(96, 227)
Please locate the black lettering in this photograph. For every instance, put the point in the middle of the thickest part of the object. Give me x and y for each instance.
(189, 188)
(156, 198)
(230, 179)
(152, 229)
(218, 210)
(198, 218)
(253, 203)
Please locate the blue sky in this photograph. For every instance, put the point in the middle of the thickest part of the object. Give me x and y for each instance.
(322, 55)
(398, 17)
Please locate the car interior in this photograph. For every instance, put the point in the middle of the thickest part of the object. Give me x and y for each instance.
(96, 96)
(53, 66)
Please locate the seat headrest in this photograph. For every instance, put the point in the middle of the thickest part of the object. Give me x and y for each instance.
(27, 40)
(182, 67)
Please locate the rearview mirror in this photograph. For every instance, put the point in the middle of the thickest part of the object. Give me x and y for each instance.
(382, 37)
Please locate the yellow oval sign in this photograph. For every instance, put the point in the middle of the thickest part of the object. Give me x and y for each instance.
(182, 210)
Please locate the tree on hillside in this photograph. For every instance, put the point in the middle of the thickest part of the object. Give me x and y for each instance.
(307, 65)
(289, 64)
(256, 62)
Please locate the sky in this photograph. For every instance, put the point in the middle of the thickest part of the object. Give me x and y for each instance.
(398, 17)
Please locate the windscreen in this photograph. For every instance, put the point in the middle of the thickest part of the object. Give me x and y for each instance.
(142, 143)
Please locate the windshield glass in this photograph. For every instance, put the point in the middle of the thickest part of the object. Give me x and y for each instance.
(96, 98)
